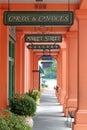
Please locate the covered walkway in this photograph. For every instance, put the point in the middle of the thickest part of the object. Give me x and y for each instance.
(50, 115)
(30, 29)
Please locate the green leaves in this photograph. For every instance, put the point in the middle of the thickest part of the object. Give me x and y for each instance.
(35, 94)
(22, 105)
(13, 122)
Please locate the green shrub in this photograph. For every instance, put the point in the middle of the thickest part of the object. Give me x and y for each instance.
(44, 85)
(13, 122)
(22, 105)
(35, 94)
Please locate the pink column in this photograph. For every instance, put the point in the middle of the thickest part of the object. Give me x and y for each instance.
(81, 114)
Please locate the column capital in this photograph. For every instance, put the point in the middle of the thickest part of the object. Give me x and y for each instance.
(81, 14)
(19, 34)
(2, 11)
(63, 49)
(71, 34)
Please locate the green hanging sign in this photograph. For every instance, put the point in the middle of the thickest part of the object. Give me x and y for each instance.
(43, 38)
(36, 18)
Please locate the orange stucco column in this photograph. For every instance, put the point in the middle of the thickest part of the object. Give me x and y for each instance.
(27, 69)
(81, 114)
(67, 70)
(63, 76)
(59, 72)
(35, 61)
(72, 71)
(36, 74)
(4, 60)
(19, 63)
(23, 46)
(30, 69)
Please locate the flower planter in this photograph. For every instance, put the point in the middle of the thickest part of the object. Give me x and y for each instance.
(29, 121)
(38, 101)
(43, 90)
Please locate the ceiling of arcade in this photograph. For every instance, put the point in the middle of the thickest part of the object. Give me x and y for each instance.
(50, 5)
(44, 1)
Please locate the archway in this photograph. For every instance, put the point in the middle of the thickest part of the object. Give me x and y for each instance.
(48, 72)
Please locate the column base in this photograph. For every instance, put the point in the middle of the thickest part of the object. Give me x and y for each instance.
(71, 105)
(66, 112)
(79, 127)
(81, 117)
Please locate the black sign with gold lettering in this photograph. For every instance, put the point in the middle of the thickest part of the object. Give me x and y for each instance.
(43, 38)
(14, 18)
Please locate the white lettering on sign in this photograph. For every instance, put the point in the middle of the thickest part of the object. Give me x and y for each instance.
(38, 18)
(43, 38)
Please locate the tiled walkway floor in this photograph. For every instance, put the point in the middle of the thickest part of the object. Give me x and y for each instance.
(49, 114)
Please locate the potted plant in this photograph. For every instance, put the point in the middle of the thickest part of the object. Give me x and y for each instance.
(23, 105)
(35, 94)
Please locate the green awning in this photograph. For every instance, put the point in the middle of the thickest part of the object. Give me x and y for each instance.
(41, 70)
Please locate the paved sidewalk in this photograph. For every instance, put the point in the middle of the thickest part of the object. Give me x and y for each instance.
(49, 114)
